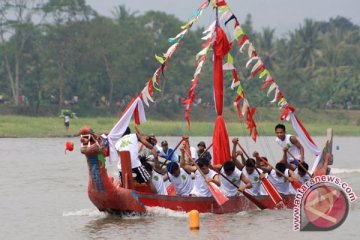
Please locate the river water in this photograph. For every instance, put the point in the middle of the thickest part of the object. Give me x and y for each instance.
(43, 195)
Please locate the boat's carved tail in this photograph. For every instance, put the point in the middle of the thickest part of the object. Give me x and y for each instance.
(326, 156)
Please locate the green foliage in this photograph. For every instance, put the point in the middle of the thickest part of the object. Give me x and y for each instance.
(105, 61)
(67, 112)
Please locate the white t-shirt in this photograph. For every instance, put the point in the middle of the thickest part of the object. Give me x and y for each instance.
(201, 188)
(254, 178)
(183, 184)
(227, 188)
(67, 119)
(280, 183)
(158, 181)
(129, 143)
(303, 179)
(292, 148)
(194, 155)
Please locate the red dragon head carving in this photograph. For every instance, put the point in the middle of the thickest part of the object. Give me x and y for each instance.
(92, 143)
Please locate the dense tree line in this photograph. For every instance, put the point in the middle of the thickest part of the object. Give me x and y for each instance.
(61, 53)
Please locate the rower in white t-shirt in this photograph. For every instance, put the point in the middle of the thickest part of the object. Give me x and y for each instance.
(290, 145)
(180, 178)
(250, 172)
(248, 169)
(200, 188)
(301, 175)
(235, 176)
(156, 173)
(130, 142)
(280, 183)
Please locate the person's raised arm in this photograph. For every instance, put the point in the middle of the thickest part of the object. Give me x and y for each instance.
(183, 164)
(157, 165)
(235, 153)
(142, 139)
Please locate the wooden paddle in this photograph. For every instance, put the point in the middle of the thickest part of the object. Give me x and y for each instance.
(246, 194)
(270, 189)
(220, 198)
(296, 184)
(300, 164)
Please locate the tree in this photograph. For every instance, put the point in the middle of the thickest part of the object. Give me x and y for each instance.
(65, 40)
(307, 44)
(15, 29)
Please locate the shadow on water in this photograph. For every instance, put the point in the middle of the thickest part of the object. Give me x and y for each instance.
(116, 225)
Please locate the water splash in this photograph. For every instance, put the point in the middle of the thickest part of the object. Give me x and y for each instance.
(344, 170)
(163, 212)
(84, 212)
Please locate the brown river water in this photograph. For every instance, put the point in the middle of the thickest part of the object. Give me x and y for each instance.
(43, 195)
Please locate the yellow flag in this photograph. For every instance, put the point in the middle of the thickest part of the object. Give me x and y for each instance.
(264, 73)
(161, 60)
(230, 59)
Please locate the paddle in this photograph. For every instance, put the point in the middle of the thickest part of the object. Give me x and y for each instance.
(300, 164)
(270, 189)
(246, 194)
(220, 198)
(176, 147)
(295, 184)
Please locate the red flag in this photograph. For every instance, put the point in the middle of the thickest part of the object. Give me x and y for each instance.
(221, 146)
(251, 123)
(221, 48)
(266, 83)
(136, 115)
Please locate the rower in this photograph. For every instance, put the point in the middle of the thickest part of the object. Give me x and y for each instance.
(201, 148)
(279, 181)
(289, 143)
(200, 188)
(235, 175)
(259, 164)
(144, 151)
(248, 169)
(165, 152)
(156, 174)
(130, 142)
(180, 178)
(301, 175)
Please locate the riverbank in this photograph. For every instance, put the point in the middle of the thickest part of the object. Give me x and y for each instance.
(344, 123)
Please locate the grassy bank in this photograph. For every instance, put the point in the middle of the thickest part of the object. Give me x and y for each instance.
(344, 123)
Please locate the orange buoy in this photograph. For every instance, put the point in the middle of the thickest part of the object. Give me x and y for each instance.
(194, 220)
(69, 146)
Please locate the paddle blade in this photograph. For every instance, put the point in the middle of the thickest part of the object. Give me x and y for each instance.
(171, 190)
(296, 184)
(271, 190)
(254, 200)
(217, 194)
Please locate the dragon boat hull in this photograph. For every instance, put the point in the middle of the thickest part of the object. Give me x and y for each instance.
(108, 196)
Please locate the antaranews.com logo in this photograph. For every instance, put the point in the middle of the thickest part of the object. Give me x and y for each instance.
(322, 204)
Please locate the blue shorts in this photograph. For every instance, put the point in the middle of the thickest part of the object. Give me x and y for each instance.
(294, 162)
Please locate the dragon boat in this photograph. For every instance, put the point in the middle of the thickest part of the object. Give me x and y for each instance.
(108, 195)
